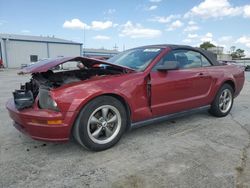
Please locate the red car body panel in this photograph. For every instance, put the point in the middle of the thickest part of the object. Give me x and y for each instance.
(33, 122)
(172, 91)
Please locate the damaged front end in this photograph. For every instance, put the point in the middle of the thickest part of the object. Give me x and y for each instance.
(23, 99)
(44, 79)
(38, 87)
(25, 96)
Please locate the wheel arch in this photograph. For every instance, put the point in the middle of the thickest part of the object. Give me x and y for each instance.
(116, 96)
(229, 82)
(219, 85)
(215, 109)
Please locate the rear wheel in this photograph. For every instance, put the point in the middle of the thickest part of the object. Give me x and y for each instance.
(101, 123)
(223, 101)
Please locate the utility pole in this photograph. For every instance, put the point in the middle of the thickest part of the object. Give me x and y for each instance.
(116, 47)
(84, 40)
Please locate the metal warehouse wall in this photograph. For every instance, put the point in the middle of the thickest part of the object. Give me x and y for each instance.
(18, 52)
(56, 50)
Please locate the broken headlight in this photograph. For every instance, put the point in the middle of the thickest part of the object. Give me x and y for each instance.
(45, 101)
(23, 99)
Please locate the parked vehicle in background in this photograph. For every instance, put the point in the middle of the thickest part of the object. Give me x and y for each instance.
(228, 61)
(1, 64)
(247, 68)
(97, 103)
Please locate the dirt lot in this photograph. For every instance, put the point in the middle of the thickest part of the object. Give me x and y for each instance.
(193, 151)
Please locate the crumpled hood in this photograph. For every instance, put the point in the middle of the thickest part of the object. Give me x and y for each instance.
(45, 65)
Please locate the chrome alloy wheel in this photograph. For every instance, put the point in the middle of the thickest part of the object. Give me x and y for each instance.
(104, 124)
(225, 100)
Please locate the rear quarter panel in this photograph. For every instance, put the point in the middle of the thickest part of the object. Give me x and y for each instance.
(226, 73)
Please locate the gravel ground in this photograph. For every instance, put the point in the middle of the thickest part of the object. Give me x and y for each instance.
(193, 151)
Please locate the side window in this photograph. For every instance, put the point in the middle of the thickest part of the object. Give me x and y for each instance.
(188, 59)
(168, 57)
(205, 62)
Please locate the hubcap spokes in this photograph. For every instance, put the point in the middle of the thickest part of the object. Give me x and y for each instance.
(104, 124)
(225, 101)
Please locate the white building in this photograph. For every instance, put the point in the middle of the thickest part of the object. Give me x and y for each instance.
(218, 51)
(17, 50)
(95, 53)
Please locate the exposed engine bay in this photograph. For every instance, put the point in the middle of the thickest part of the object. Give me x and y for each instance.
(53, 79)
(50, 79)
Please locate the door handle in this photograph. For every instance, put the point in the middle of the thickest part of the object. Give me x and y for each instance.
(202, 74)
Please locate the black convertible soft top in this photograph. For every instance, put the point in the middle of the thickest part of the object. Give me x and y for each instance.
(211, 56)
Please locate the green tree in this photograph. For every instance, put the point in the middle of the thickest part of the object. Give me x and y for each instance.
(206, 45)
(239, 53)
(232, 49)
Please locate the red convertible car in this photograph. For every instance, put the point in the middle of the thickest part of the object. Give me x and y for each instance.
(97, 102)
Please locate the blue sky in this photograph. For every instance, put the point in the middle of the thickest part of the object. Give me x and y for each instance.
(131, 23)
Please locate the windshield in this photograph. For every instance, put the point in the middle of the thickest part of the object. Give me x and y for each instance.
(137, 59)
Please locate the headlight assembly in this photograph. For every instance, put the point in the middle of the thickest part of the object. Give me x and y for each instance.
(45, 101)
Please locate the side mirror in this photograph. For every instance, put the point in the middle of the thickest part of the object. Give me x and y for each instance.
(169, 65)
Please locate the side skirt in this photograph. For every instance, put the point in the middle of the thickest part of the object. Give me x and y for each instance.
(167, 117)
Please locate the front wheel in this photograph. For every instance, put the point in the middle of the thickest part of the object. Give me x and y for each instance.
(223, 101)
(101, 123)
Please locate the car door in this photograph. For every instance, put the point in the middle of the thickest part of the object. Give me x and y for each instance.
(177, 90)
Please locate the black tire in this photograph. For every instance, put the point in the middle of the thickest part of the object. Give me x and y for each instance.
(84, 126)
(216, 108)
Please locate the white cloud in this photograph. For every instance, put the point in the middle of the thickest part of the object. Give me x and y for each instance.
(174, 25)
(153, 7)
(110, 11)
(2, 22)
(167, 19)
(101, 37)
(75, 24)
(187, 40)
(137, 31)
(247, 11)
(95, 25)
(247, 53)
(209, 35)
(223, 41)
(115, 25)
(191, 23)
(195, 38)
(225, 38)
(192, 36)
(217, 9)
(207, 38)
(98, 25)
(155, 1)
(245, 40)
(25, 31)
(192, 26)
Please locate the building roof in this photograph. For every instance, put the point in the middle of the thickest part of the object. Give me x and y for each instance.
(92, 50)
(36, 39)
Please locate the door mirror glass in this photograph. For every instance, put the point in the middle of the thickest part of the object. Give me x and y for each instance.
(168, 65)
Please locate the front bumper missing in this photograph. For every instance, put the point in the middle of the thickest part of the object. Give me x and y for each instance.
(34, 122)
